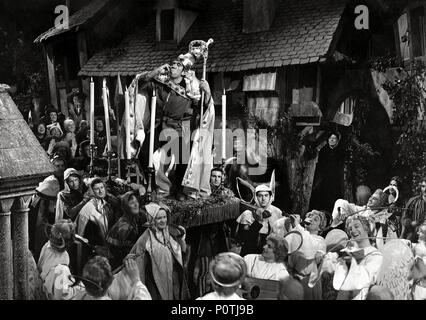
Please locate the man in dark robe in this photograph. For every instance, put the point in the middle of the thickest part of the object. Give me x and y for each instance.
(328, 183)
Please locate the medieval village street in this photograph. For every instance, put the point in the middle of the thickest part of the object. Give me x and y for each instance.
(212, 150)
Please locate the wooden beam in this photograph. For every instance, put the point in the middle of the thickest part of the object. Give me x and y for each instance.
(397, 38)
(51, 75)
(318, 89)
(82, 48)
(64, 109)
(83, 57)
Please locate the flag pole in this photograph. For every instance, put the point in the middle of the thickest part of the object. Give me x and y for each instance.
(119, 141)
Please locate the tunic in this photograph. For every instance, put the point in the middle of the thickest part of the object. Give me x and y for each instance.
(94, 221)
(258, 268)
(161, 266)
(55, 274)
(355, 282)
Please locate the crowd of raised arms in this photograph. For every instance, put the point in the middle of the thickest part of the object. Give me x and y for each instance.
(91, 244)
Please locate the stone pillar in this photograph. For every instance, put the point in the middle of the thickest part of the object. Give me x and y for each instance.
(6, 278)
(20, 247)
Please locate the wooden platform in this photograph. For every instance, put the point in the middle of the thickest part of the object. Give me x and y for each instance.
(191, 213)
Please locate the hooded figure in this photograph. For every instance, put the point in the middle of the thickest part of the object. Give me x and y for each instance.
(159, 256)
(127, 230)
(70, 200)
(254, 227)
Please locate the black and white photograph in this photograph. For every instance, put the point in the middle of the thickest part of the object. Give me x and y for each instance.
(193, 150)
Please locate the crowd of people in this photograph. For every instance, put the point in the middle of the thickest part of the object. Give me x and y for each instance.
(69, 137)
(92, 244)
(130, 250)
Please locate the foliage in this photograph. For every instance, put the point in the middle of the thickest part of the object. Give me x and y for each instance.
(21, 67)
(381, 64)
(408, 93)
(185, 211)
(283, 131)
(359, 155)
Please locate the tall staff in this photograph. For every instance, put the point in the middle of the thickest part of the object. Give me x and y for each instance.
(151, 169)
(127, 130)
(223, 125)
(92, 125)
(223, 134)
(107, 125)
(200, 48)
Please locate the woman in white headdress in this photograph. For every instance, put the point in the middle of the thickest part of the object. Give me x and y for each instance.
(357, 270)
(159, 253)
